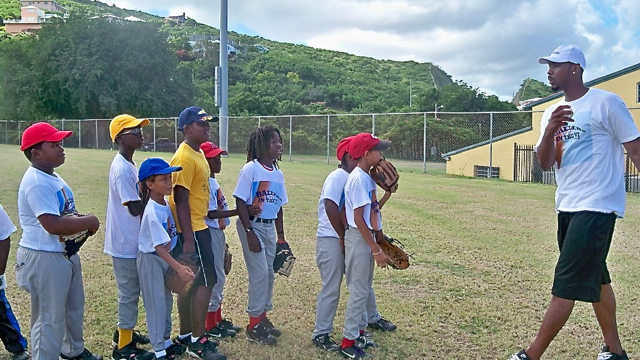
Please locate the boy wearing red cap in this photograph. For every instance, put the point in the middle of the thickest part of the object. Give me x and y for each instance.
(53, 280)
(121, 232)
(361, 250)
(217, 220)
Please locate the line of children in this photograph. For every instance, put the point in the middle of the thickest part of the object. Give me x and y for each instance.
(261, 183)
(10, 333)
(124, 208)
(156, 239)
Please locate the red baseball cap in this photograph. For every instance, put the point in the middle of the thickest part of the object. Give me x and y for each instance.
(211, 150)
(364, 142)
(41, 132)
(341, 149)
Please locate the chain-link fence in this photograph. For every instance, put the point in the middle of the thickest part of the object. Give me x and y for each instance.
(483, 144)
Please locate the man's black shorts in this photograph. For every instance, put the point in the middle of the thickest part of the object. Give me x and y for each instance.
(584, 239)
(207, 276)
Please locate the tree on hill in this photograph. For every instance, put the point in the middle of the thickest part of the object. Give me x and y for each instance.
(9, 9)
(531, 89)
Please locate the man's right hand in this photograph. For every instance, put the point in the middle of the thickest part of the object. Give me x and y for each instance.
(560, 117)
(253, 242)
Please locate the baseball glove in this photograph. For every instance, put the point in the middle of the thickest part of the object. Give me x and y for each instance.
(385, 175)
(173, 280)
(284, 260)
(228, 258)
(73, 242)
(398, 258)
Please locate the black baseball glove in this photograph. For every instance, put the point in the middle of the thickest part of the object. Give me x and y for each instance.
(284, 260)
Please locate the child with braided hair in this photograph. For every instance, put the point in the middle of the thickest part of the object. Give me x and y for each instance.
(261, 183)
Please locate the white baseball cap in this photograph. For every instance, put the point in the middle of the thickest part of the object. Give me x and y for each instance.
(565, 53)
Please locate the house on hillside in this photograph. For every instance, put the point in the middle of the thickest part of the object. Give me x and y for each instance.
(512, 156)
(45, 5)
(180, 19)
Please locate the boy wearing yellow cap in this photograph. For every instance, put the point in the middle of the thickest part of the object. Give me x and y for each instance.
(124, 207)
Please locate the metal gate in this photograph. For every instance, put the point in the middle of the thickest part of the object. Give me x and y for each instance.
(526, 167)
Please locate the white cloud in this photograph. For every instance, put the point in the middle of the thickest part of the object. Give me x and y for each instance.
(490, 44)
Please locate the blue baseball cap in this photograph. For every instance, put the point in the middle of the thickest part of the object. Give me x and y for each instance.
(193, 114)
(155, 166)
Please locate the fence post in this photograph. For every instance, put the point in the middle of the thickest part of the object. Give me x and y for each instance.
(259, 120)
(290, 136)
(6, 132)
(97, 147)
(373, 124)
(175, 134)
(490, 175)
(328, 134)
(154, 135)
(424, 144)
(20, 133)
(62, 130)
(79, 134)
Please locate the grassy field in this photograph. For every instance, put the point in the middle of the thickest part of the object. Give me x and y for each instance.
(478, 287)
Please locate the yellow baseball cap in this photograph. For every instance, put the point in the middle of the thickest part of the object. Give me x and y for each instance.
(122, 122)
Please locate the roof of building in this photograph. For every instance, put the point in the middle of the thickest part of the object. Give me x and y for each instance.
(591, 83)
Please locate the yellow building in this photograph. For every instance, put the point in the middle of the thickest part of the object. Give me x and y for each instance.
(511, 156)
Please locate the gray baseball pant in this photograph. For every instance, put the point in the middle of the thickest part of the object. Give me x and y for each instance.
(157, 298)
(259, 266)
(359, 273)
(57, 302)
(330, 262)
(128, 291)
(218, 242)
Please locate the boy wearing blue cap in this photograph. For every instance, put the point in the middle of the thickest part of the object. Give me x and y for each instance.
(156, 239)
(189, 203)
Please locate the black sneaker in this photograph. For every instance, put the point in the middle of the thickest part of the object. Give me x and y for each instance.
(606, 355)
(520, 356)
(353, 352)
(365, 342)
(383, 325)
(131, 352)
(85, 355)
(20, 355)
(221, 332)
(269, 326)
(175, 349)
(227, 324)
(324, 342)
(204, 349)
(261, 335)
(138, 338)
(186, 341)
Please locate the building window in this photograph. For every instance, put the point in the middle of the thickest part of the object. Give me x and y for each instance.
(483, 171)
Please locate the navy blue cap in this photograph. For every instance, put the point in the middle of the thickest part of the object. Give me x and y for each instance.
(193, 114)
(155, 166)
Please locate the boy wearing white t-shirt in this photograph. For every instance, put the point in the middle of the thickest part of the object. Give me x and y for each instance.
(121, 232)
(361, 250)
(157, 237)
(217, 220)
(52, 277)
(583, 137)
(10, 334)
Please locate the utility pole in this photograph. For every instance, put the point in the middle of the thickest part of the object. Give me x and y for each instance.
(224, 79)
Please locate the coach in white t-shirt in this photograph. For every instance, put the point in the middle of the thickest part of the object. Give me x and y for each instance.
(582, 137)
(121, 231)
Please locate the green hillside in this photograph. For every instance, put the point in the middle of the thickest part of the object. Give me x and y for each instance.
(265, 77)
(531, 89)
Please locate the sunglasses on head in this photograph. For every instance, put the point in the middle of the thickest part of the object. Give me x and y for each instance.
(136, 131)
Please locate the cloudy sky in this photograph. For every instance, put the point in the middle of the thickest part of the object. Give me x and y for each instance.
(490, 44)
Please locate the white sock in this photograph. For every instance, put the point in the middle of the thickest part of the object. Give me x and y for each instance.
(194, 339)
(160, 353)
(182, 337)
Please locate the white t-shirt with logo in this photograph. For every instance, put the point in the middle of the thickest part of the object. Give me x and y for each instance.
(122, 228)
(589, 154)
(217, 201)
(157, 228)
(359, 191)
(6, 226)
(39, 194)
(332, 190)
(258, 185)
